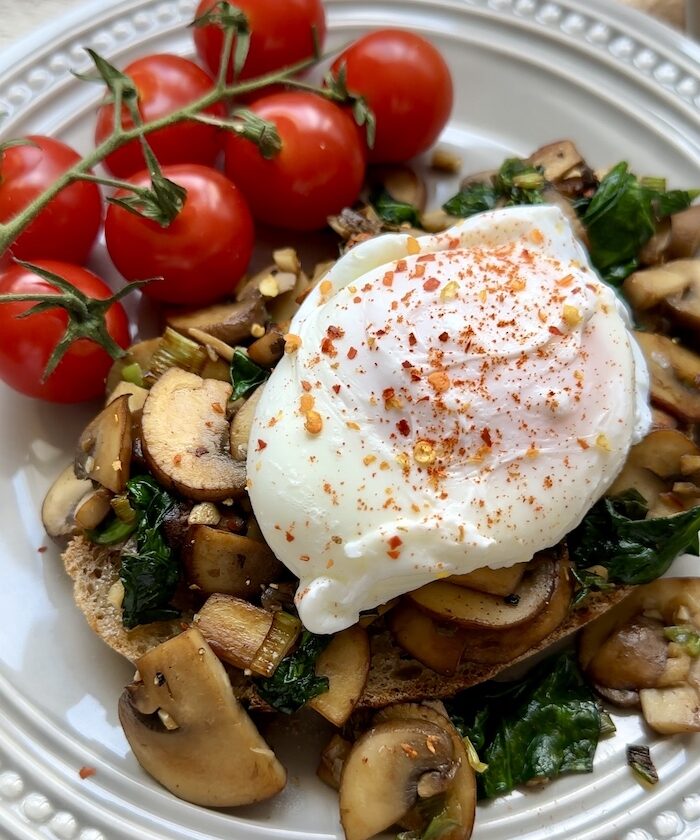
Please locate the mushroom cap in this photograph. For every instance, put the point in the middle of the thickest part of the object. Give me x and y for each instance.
(190, 733)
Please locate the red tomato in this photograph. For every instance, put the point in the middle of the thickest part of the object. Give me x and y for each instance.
(407, 84)
(282, 34)
(201, 255)
(27, 343)
(66, 228)
(165, 84)
(319, 171)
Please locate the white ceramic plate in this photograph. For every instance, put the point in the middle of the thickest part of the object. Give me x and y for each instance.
(526, 72)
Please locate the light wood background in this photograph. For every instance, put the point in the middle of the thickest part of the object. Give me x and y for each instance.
(18, 17)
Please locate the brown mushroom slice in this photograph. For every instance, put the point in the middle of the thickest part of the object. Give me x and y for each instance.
(242, 423)
(93, 508)
(232, 564)
(624, 699)
(493, 581)
(229, 322)
(459, 803)
(650, 287)
(186, 437)
(499, 646)
(671, 710)
(469, 608)
(556, 159)
(332, 760)
(633, 657)
(683, 305)
(268, 349)
(190, 733)
(685, 233)
(140, 353)
(345, 661)
(136, 394)
(674, 373)
(654, 250)
(104, 448)
(401, 182)
(437, 646)
(645, 482)
(60, 502)
(662, 420)
(661, 452)
(387, 770)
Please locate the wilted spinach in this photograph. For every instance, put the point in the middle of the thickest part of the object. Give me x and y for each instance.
(394, 212)
(615, 535)
(151, 574)
(516, 182)
(295, 681)
(537, 728)
(245, 374)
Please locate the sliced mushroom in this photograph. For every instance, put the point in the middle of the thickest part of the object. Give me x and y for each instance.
(64, 495)
(235, 629)
(624, 699)
(552, 196)
(661, 452)
(186, 437)
(654, 250)
(387, 770)
(220, 561)
(633, 657)
(674, 373)
(683, 305)
(268, 349)
(229, 322)
(136, 394)
(650, 287)
(104, 448)
(671, 710)
(556, 159)
(469, 608)
(241, 425)
(685, 234)
(493, 581)
(439, 646)
(345, 661)
(401, 182)
(189, 732)
(333, 757)
(93, 508)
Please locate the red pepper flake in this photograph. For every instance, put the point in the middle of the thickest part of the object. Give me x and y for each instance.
(42, 549)
(486, 437)
(418, 272)
(306, 385)
(431, 284)
(412, 340)
(394, 554)
(304, 558)
(401, 265)
(406, 365)
(388, 393)
(217, 408)
(352, 352)
(289, 537)
(583, 443)
(555, 331)
(261, 445)
(336, 389)
(357, 299)
(335, 332)
(426, 258)
(85, 772)
(388, 279)
(177, 459)
(403, 427)
(395, 542)
(444, 336)
(328, 347)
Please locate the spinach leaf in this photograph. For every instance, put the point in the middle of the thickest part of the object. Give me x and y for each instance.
(295, 681)
(394, 212)
(516, 182)
(536, 728)
(634, 550)
(621, 217)
(151, 574)
(245, 374)
(472, 199)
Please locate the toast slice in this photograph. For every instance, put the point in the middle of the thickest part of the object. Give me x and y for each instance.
(394, 676)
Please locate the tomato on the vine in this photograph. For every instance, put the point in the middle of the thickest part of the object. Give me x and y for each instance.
(67, 227)
(282, 33)
(26, 344)
(202, 255)
(408, 86)
(319, 170)
(165, 83)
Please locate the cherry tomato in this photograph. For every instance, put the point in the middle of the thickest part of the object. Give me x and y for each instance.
(281, 34)
(27, 343)
(407, 84)
(67, 227)
(201, 255)
(165, 84)
(319, 170)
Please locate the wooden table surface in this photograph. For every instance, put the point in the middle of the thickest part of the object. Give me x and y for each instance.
(18, 17)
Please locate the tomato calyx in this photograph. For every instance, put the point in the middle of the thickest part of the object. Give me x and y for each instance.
(336, 89)
(86, 315)
(234, 23)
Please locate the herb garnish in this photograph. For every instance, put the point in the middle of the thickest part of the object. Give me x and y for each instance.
(615, 535)
(295, 682)
(516, 182)
(394, 212)
(245, 374)
(151, 574)
(537, 728)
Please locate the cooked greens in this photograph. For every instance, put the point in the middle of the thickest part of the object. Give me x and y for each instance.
(639, 759)
(535, 729)
(245, 374)
(295, 682)
(394, 212)
(150, 574)
(687, 637)
(615, 535)
(516, 182)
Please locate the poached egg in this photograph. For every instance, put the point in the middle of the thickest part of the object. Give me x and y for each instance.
(444, 404)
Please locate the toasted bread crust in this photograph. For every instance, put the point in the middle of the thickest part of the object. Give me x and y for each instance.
(394, 677)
